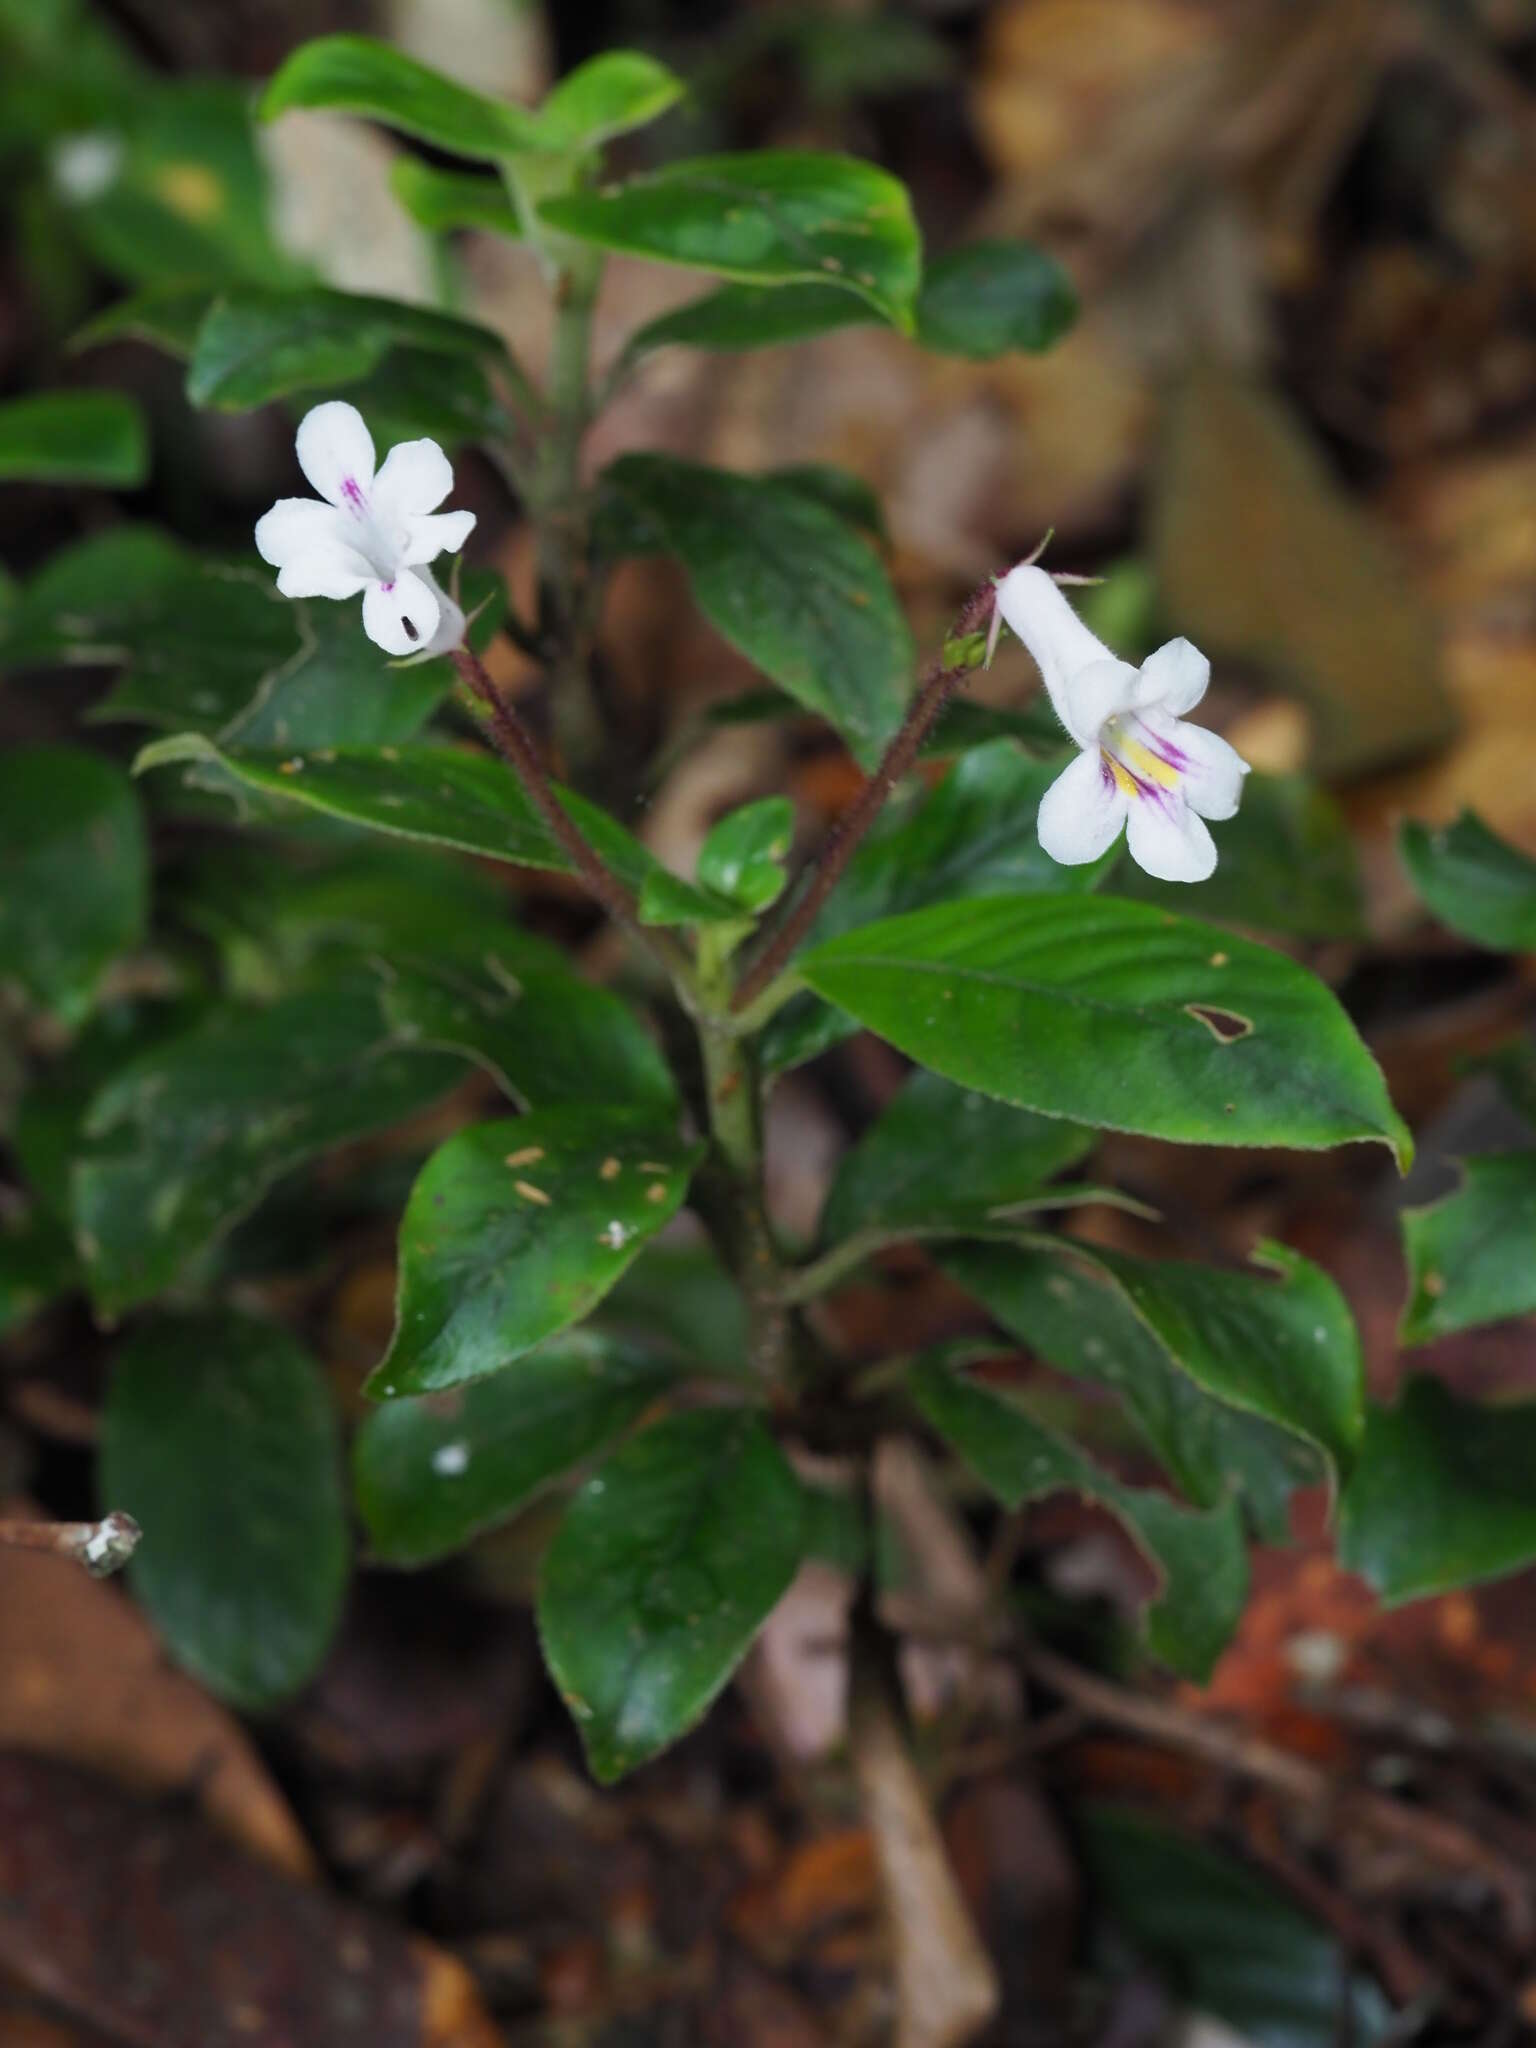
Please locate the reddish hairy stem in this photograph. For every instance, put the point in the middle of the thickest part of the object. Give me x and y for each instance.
(939, 684)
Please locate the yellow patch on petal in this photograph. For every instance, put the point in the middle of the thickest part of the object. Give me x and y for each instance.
(1151, 767)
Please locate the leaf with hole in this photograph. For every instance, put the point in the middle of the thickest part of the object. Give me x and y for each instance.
(219, 1437)
(1198, 1554)
(664, 1567)
(1088, 1008)
(516, 1229)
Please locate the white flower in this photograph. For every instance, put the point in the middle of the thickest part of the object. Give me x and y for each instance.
(373, 534)
(1141, 765)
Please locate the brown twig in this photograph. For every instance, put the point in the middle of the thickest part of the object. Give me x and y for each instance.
(517, 748)
(939, 684)
(102, 1547)
(1172, 1726)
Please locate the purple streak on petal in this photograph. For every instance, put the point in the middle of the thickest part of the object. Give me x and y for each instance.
(350, 491)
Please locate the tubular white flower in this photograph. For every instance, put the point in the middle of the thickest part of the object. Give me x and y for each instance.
(373, 534)
(1141, 765)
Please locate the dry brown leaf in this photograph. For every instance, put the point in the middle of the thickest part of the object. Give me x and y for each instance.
(82, 1679)
(1261, 557)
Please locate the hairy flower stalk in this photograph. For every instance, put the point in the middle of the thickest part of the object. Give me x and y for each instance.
(373, 534)
(1142, 765)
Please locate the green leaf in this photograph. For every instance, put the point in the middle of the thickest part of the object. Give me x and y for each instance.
(177, 194)
(611, 94)
(746, 316)
(185, 1139)
(516, 1229)
(432, 1473)
(1470, 1255)
(1441, 1496)
(166, 315)
(742, 857)
(989, 297)
(783, 580)
(1288, 864)
(546, 1038)
(219, 1438)
(440, 200)
(446, 796)
(1282, 1347)
(74, 874)
(73, 437)
(255, 346)
(1226, 1940)
(1512, 1068)
(840, 491)
(941, 1156)
(1197, 1553)
(680, 1299)
(665, 1566)
(765, 217)
(1080, 1321)
(1474, 882)
(357, 75)
(416, 391)
(37, 1265)
(1115, 1014)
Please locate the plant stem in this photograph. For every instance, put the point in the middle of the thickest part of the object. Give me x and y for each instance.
(102, 1547)
(560, 513)
(516, 746)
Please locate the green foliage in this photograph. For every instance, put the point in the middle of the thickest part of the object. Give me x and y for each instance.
(357, 75)
(1197, 1554)
(441, 200)
(1470, 1255)
(1116, 1014)
(220, 1439)
(667, 1562)
(73, 437)
(763, 217)
(746, 316)
(515, 1230)
(430, 1474)
(742, 859)
(780, 577)
(1474, 881)
(1441, 1496)
(74, 875)
(185, 1139)
(989, 297)
(1072, 1314)
(941, 1157)
(1229, 1942)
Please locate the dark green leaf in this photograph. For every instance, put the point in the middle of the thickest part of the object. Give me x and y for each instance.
(1080, 1322)
(415, 392)
(547, 1038)
(515, 1230)
(667, 899)
(743, 856)
(220, 1439)
(680, 1299)
(74, 874)
(1198, 1554)
(1470, 1256)
(37, 1265)
(166, 315)
(431, 1473)
(745, 316)
(784, 580)
(1287, 864)
(73, 437)
(611, 94)
(941, 1156)
(357, 75)
(990, 297)
(666, 1564)
(1229, 1942)
(441, 200)
(1115, 1014)
(769, 217)
(1475, 882)
(1441, 1496)
(186, 1139)
(255, 346)
(1513, 1069)
(840, 491)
